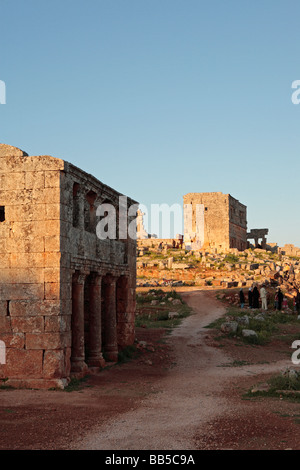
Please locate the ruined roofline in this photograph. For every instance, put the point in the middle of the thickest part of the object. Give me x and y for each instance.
(10, 151)
(60, 164)
(208, 192)
(78, 172)
(240, 203)
(219, 193)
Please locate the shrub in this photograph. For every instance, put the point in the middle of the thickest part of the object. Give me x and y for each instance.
(231, 258)
(284, 382)
(261, 338)
(127, 353)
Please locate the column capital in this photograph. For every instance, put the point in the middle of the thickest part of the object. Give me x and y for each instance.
(81, 191)
(96, 278)
(110, 278)
(79, 277)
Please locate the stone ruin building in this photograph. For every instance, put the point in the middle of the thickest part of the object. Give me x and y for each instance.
(290, 250)
(67, 298)
(257, 234)
(212, 221)
(215, 221)
(142, 234)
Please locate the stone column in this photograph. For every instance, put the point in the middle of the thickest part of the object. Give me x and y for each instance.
(110, 333)
(78, 206)
(80, 202)
(95, 339)
(77, 324)
(122, 310)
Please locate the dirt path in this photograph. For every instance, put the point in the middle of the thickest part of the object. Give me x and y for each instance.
(190, 395)
(185, 395)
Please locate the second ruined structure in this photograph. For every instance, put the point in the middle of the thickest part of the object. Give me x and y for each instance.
(67, 298)
(214, 220)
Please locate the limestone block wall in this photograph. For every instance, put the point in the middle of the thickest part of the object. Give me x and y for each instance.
(88, 253)
(32, 326)
(237, 224)
(237, 237)
(67, 298)
(225, 224)
(290, 250)
(156, 242)
(216, 220)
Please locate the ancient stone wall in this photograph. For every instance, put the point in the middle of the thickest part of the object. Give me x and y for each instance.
(109, 262)
(67, 298)
(216, 224)
(155, 243)
(30, 313)
(290, 250)
(259, 236)
(141, 231)
(237, 224)
(225, 224)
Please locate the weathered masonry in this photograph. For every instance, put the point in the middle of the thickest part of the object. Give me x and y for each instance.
(214, 220)
(67, 298)
(256, 234)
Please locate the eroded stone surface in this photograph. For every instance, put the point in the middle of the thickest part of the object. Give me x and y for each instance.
(67, 298)
(222, 223)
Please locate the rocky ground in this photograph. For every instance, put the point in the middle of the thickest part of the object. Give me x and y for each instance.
(184, 390)
(175, 267)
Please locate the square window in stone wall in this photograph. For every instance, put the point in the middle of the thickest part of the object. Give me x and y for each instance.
(2, 213)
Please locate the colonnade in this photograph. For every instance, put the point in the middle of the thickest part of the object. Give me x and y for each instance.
(94, 319)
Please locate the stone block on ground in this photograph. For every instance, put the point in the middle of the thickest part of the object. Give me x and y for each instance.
(229, 327)
(249, 333)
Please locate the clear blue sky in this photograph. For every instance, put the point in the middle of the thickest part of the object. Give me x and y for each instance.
(158, 98)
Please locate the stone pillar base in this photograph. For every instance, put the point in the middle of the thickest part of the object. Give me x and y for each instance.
(79, 375)
(111, 356)
(41, 384)
(78, 366)
(96, 362)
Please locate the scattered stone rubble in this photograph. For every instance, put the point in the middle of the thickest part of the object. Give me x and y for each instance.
(292, 375)
(249, 333)
(176, 267)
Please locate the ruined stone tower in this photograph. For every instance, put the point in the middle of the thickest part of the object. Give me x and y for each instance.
(67, 298)
(221, 221)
